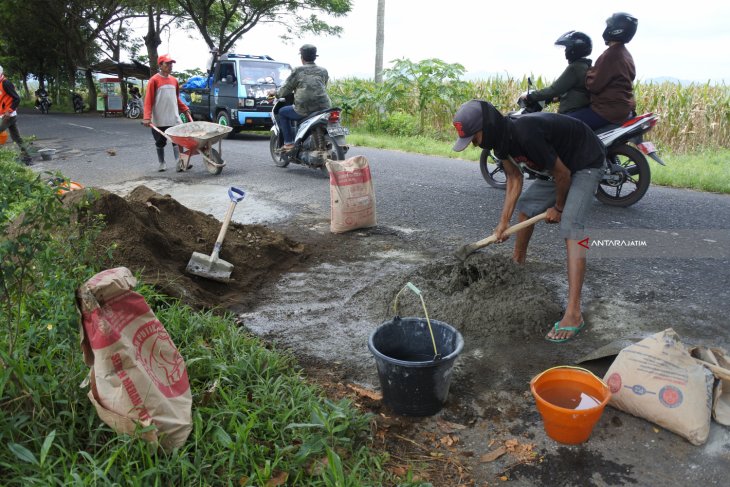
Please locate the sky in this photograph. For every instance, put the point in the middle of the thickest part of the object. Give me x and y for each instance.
(688, 42)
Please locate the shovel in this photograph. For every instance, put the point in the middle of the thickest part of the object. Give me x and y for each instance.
(465, 250)
(210, 266)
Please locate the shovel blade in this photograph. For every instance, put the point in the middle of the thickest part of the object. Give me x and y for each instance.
(205, 266)
(465, 251)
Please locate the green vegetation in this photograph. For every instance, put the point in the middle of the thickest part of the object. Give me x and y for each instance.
(693, 118)
(256, 422)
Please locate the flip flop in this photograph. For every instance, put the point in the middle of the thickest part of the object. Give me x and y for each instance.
(574, 329)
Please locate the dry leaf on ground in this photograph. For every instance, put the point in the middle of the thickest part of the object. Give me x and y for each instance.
(360, 391)
(493, 455)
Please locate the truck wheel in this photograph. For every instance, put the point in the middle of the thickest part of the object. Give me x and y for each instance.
(225, 120)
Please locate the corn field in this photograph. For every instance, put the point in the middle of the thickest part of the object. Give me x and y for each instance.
(692, 117)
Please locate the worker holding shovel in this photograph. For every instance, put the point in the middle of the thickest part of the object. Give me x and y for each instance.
(566, 157)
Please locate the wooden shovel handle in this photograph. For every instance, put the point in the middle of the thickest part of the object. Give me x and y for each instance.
(513, 229)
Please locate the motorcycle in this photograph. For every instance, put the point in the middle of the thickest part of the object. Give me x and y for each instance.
(319, 136)
(77, 101)
(626, 173)
(134, 107)
(43, 103)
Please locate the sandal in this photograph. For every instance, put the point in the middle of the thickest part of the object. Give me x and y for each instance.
(574, 329)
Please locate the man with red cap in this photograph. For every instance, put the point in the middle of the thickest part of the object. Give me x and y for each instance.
(567, 159)
(162, 107)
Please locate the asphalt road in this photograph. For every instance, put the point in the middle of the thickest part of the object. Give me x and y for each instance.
(435, 202)
(679, 279)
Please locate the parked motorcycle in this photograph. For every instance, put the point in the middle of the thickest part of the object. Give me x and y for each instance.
(134, 107)
(319, 137)
(626, 174)
(77, 101)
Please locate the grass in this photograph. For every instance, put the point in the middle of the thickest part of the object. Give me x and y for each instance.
(256, 422)
(707, 170)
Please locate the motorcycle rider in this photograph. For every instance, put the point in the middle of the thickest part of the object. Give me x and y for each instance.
(133, 91)
(9, 101)
(570, 87)
(308, 84)
(611, 80)
(549, 144)
(41, 93)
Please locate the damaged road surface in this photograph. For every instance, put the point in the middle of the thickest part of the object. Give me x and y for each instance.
(321, 295)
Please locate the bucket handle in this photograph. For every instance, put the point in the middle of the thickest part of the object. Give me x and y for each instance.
(412, 287)
(534, 379)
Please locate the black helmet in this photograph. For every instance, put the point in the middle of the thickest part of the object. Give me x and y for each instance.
(577, 45)
(620, 27)
(308, 52)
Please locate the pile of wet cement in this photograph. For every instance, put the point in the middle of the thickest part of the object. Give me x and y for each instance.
(154, 235)
(486, 298)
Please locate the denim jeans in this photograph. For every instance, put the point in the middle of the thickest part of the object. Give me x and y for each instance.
(286, 116)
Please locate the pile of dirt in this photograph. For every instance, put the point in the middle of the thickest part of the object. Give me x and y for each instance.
(487, 296)
(154, 235)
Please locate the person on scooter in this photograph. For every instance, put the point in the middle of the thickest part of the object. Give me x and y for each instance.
(133, 91)
(611, 80)
(308, 84)
(570, 87)
(40, 93)
(162, 107)
(9, 101)
(567, 157)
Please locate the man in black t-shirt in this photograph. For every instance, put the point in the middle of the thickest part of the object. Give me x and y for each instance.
(567, 158)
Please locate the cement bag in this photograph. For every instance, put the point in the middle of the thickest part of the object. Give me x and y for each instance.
(137, 376)
(658, 380)
(352, 197)
(721, 395)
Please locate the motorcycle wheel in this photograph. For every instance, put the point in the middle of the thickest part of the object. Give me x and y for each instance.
(275, 154)
(133, 112)
(632, 185)
(492, 170)
(334, 152)
(218, 160)
(44, 108)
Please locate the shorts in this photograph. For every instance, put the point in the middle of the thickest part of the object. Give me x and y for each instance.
(541, 195)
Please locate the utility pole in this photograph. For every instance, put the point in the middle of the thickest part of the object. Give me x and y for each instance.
(379, 42)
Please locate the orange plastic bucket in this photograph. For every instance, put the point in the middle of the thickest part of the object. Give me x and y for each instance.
(570, 401)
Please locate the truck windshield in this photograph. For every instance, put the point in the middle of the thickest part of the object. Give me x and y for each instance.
(258, 72)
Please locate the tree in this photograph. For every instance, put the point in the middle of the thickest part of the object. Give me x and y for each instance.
(222, 22)
(432, 81)
(379, 41)
(160, 14)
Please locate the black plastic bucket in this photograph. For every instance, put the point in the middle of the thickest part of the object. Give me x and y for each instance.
(413, 383)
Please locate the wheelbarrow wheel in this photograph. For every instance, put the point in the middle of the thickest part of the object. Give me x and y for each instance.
(215, 157)
(276, 155)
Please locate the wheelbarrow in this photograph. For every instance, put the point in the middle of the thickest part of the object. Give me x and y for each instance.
(198, 138)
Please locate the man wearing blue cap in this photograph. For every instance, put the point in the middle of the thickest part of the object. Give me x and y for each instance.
(567, 159)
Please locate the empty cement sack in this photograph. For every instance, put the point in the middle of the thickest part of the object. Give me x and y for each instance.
(658, 380)
(138, 378)
(352, 197)
(721, 395)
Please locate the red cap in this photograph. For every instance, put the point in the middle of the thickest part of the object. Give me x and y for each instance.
(165, 58)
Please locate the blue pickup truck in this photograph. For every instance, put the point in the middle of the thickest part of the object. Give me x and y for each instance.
(235, 92)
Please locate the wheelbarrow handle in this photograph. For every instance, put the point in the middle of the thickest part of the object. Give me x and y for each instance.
(236, 194)
(160, 131)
